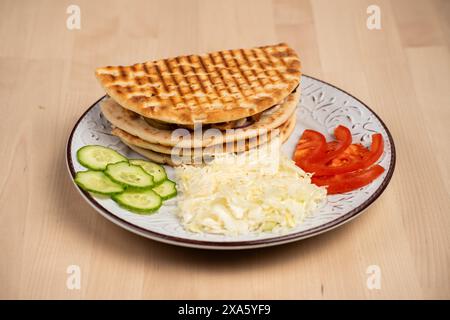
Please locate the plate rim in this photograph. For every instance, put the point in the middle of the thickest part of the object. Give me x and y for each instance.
(243, 244)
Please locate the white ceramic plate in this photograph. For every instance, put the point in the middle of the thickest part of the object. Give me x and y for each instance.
(322, 108)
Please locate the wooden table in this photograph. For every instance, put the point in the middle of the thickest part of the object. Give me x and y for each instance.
(402, 71)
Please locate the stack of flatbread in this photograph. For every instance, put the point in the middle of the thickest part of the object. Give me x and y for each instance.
(224, 101)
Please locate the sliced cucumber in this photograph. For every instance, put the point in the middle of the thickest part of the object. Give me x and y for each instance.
(98, 157)
(129, 175)
(145, 201)
(157, 171)
(98, 182)
(166, 190)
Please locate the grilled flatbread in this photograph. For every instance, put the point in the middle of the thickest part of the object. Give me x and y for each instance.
(235, 146)
(216, 87)
(285, 133)
(231, 147)
(135, 125)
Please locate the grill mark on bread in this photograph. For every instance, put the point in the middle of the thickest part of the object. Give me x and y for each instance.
(166, 89)
(291, 67)
(169, 67)
(154, 89)
(276, 54)
(244, 55)
(238, 65)
(123, 73)
(203, 88)
(183, 74)
(219, 72)
(200, 58)
(280, 75)
(203, 66)
(147, 77)
(238, 86)
(269, 78)
(213, 84)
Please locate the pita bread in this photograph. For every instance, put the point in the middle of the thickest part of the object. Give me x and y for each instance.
(234, 146)
(209, 88)
(162, 158)
(135, 125)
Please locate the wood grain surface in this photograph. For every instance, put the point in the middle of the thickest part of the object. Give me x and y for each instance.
(47, 81)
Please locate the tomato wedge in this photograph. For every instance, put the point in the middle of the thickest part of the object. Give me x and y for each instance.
(354, 152)
(335, 148)
(310, 147)
(349, 181)
(350, 160)
(339, 165)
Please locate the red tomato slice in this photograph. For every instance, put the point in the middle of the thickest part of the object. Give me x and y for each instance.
(311, 146)
(346, 182)
(355, 159)
(354, 152)
(335, 148)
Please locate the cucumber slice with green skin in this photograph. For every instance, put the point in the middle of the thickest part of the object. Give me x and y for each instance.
(129, 175)
(166, 190)
(143, 202)
(157, 171)
(97, 182)
(98, 157)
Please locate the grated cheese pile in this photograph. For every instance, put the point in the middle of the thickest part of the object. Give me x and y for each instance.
(247, 193)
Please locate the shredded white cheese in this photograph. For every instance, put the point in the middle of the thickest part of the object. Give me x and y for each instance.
(241, 194)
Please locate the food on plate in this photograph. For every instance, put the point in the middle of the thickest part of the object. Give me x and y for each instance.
(135, 184)
(231, 146)
(335, 148)
(284, 133)
(136, 126)
(146, 201)
(166, 190)
(129, 175)
(339, 165)
(312, 147)
(345, 182)
(248, 193)
(98, 157)
(97, 182)
(176, 90)
(235, 94)
(156, 171)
